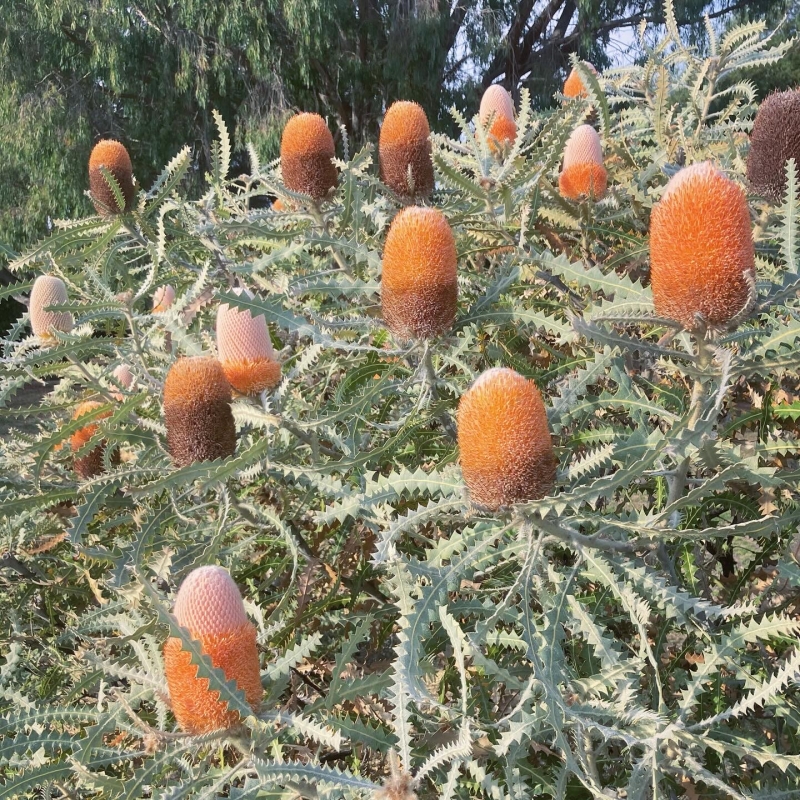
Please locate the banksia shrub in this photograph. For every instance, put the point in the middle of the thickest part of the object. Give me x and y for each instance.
(89, 465)
(573, 85)
(497, 105)
(48, 291)
(404, 145)
(306, 153)
(114, 157)
(702, 260)
(245, 349)
(504, 438)
(163, 298)
(210, 607)
(774, 140)
(197, 410)
(419, 289)
(582, 173)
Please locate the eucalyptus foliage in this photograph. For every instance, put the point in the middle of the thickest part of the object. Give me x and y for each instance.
(632, 635)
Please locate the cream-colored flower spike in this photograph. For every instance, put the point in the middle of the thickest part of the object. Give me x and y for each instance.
(210, 606)
(583, 174)
(209, 602)
(245, 350)
(124, 377)
(496, 101)
(163, 298)
(583, 146)
(49, 291)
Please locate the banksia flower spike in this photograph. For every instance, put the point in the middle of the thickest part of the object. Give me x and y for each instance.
(91, 464)
(404, 146)
(163, 298)
(210, 606)
(702, 260)
(419, 288)
(48, 291)
(504, 439)
(123, 375)
(114, 157)
(197, 410)
(574, 86)
(583, 174)
(245, 349)
(774, 140)
(306, 153)
(497, 105)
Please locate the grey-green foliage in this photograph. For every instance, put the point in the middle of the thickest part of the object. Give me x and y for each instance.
(630, 635)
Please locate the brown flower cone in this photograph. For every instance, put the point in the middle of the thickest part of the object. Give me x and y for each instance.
(48, 291)
(702, 260)
(306, 153)
(504, 439)
(197, 411)
(210, 607)
(405, 144)
(419, 287)
(91, 464)
(114, 157)
(774, 140)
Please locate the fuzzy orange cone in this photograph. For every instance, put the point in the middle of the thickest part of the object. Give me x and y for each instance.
(573, 85)
(245, 349)
(163, 298)
(404, 146)
(48, 291)
(210, 607)
(91, 464)
(306, 153)
(419, 288)
(504, 439)
(775, 139)
(114, 157)
(583, 174)
(197, 410)
(702, 259)
(497, 105)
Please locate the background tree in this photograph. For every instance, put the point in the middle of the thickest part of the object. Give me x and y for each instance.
(150, 72)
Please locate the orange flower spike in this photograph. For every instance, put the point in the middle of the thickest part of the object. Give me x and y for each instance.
(306, 153)
(48, 291)
(245, 349)
(163, 298)
(504, 439)
(405, 144)
(497, 105)
(91, 464)
(774, 140)
(583, 174)
(573, 86)
(197, 410)
(419, 287)
(114, 157)
(702, 259)
(210, 606)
